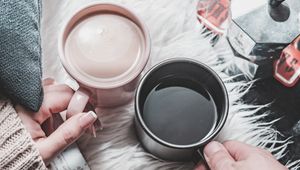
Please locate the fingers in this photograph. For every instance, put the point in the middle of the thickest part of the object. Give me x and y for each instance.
(56, 99)
(66, 134)
(239, 151)
(78, 102)
(217, 157)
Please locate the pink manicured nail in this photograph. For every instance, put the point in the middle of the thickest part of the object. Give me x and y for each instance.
(98, 124)
(94, 131)
(87, 119)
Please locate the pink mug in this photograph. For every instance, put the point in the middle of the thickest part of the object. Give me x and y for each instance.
(104, 92)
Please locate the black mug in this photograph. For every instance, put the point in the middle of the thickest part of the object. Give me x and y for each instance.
(180, 105)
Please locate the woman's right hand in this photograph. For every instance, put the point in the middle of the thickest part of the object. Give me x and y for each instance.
(234, 155)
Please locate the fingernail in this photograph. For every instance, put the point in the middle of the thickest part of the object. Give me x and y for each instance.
(94, 131)
(87, 119)
(211, 149)
(98, 124)
(91, 131)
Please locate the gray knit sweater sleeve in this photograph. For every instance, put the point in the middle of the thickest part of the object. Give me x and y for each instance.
(17, 150)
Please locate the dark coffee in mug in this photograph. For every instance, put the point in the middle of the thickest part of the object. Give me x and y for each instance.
(180, 111)
(180, 105)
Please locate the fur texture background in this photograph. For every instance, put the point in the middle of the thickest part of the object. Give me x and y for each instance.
(175, 32)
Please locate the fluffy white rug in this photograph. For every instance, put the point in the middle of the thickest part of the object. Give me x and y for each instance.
(175, 32)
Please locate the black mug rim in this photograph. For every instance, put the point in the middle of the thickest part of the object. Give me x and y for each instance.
(204, 140)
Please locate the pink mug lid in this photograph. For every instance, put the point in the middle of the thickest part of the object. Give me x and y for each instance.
(104, 76)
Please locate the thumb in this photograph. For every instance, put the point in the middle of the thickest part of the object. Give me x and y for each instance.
(217, 157)
(65, 135)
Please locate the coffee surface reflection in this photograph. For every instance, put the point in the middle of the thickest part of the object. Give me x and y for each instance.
(180, 111)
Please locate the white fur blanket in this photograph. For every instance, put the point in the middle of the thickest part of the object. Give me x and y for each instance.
(175, 32)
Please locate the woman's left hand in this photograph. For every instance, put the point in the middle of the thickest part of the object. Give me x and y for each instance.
(41, 125)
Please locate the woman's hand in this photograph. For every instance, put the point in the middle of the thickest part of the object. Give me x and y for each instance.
(41, 125)
(233, 155)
